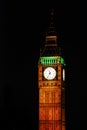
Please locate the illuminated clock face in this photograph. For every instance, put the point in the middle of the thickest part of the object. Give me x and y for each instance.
(49, 73)
(63, 74)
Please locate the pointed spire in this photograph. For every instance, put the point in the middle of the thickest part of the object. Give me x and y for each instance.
(52, 18)
(51, 35)
(51, 47)
(52, 11)
(51, 29)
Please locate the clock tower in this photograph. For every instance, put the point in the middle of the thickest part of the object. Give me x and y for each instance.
(51, 83)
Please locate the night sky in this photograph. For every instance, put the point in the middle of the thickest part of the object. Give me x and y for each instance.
(23, 27)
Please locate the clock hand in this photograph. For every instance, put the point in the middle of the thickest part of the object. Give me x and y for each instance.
(49, 74)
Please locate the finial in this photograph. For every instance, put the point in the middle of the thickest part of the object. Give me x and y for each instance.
(52, 12)
(52, 15)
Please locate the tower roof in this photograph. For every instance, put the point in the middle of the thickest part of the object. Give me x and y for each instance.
(51, 29)
(51, 47)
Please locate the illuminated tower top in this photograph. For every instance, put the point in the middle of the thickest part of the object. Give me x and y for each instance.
(52, 29)
(51, 53)
(51, 37)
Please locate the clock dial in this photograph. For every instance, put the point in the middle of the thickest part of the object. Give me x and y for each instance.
(49, 73)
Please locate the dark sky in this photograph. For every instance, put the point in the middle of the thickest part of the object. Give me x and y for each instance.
(23, 26)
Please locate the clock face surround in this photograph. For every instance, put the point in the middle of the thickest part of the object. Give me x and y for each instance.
(49, 73)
